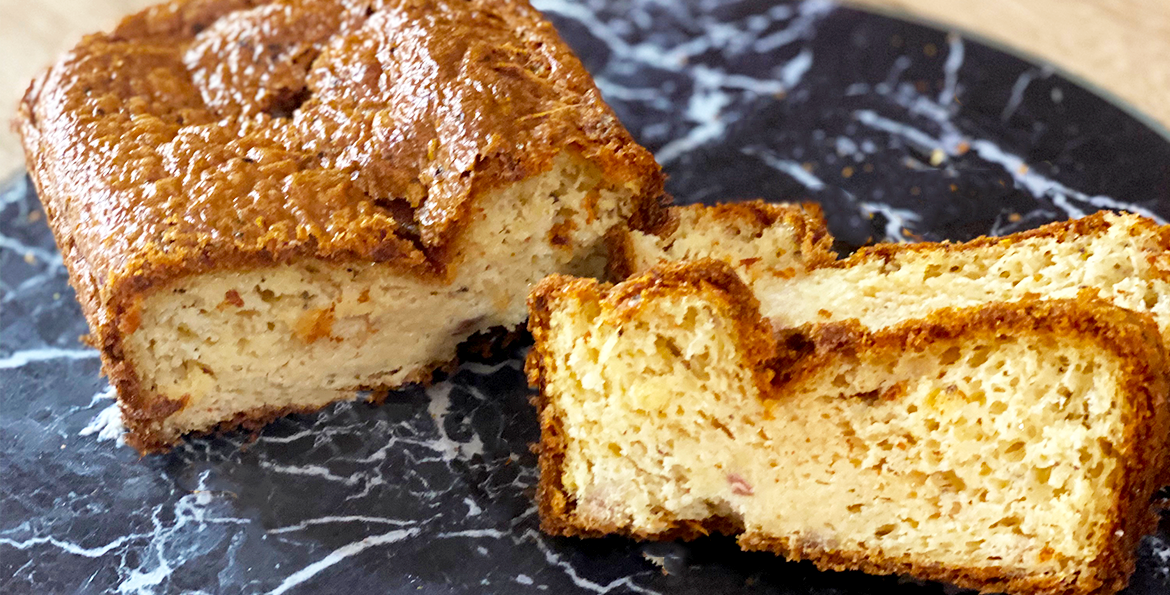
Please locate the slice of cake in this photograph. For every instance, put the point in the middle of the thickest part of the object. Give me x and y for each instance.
(1006, 447)
(755, 237)
(1122, 257)
(264, 206)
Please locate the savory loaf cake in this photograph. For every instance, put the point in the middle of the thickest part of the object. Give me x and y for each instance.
(265, 205)
(755, 237)
(1124, 258)
(1006, 447)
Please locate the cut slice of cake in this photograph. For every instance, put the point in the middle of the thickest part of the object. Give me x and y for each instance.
(755, 237)
(265, 206)
(1006, 447)
(1122, 257)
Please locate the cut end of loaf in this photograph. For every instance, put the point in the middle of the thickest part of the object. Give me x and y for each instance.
(1010, 451)
(241, 347)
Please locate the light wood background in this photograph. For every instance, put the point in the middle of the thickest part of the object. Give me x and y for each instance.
(1121, 46)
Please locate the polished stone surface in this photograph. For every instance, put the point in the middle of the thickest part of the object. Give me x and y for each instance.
(901, 132)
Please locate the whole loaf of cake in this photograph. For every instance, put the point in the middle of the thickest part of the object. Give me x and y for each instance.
(265, 206)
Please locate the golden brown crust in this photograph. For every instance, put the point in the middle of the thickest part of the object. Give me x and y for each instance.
(620, 249)
(1133, 338)
(806, 219)
(1060, 231)
(233, 134)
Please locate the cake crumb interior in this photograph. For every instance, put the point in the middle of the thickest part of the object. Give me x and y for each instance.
(968, 453)
(1123, 263)
(302, 335)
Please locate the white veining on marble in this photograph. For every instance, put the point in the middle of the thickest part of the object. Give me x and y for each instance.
(198, 509)
(1001, 225)
(710, 97)
(715, 88)
(319, 471)
(328, 520)
(614, 91)
(788, 167)
(169, 544)
(477, 533)
(555, 559)
(898, 221)
(1039, 185)
(481, 369)
(33, 283)
(473, 509)
(955, 53)
(72, 548)
(1160, 552)
(300, 435)
(440, 404)
(14, 197)
(144, 583)
(1017, 97)
(45, 256)
(802, 26)
(340, 554)
(705, 109)
(948, 143)
(794, 70)
(25, 357)
(954, 143)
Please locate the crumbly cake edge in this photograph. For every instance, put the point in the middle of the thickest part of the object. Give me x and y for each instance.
(1092, 224)
(754, 338)
(1130, 336)
(807, 219)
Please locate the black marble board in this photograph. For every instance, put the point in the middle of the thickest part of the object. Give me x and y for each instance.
(900, 131)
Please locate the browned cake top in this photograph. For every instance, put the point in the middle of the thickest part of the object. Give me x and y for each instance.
(206, 133)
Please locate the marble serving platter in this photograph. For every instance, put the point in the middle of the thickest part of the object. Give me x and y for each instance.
(902, 132)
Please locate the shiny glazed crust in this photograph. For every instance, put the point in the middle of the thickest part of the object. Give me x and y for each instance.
(781, 361)
(204, 135)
